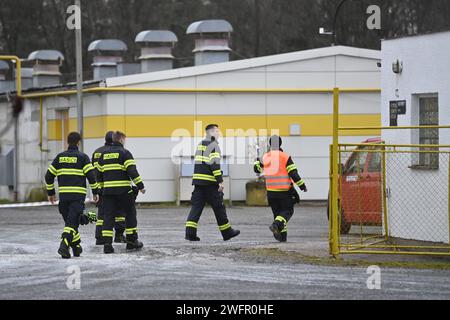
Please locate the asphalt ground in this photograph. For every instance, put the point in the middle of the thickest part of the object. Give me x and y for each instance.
(252, 266)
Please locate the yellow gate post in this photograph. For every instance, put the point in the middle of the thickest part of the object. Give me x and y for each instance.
(335, 176)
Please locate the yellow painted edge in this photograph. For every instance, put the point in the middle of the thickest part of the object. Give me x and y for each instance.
(186, 125)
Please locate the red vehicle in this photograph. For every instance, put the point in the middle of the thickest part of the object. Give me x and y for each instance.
(360, 193)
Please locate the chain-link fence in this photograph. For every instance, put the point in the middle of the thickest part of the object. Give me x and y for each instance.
(392, 199)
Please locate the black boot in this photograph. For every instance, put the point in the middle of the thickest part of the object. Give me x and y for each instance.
(276, 230)
(108, 248)
(191, 235)
(119, 238)
(64, 249)
(192, 238)
(77, 250)
(229, 234)
(134, 245)
(283, 237)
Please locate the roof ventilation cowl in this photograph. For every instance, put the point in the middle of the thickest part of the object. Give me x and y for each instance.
(108, 53)
(156, 49)
(46, 64)
(212, 41)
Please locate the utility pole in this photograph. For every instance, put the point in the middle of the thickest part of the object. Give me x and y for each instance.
(79, 63)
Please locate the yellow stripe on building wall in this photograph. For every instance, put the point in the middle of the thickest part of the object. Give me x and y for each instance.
(165, 126)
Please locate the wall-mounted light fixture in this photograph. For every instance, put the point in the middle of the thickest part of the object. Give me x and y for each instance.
(397, 66)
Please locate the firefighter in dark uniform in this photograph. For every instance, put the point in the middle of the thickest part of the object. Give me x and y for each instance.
(208, 187)
(116, 170)
(280, 171)
(119, 226)
(71, 167)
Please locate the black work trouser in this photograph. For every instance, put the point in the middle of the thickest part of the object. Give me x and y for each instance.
(200, 196)
(119, 203)
(119, 225)
(71, 212)
(282, 208)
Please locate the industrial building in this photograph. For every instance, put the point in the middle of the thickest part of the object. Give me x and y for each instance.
(415, 91)
(163, 111)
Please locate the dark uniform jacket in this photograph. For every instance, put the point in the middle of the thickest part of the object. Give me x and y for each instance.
(116, 170)
(96, 156)
(207, 164)
(71, 167)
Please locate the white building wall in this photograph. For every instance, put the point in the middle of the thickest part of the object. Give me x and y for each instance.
(426, 66)
(153, 153)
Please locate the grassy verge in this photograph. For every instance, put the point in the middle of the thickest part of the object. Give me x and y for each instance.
(290, 256)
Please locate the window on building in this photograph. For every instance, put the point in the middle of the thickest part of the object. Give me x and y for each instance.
(429, 116)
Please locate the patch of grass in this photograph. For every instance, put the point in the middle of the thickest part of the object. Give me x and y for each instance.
(296, 257)
(5, 201)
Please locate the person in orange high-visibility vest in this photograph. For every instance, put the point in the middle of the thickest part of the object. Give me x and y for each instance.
(280, 173)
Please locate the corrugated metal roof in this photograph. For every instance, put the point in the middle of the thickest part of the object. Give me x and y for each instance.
(244, 64)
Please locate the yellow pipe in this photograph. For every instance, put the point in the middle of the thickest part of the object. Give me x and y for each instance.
(384, 195)
(418, 253)
(392, 128)
(335, 176)
(330, 201)
(192, 90)
(394, 145)
(18, 72)
(378, 246)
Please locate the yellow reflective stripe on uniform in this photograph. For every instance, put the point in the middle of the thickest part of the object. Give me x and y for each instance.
(99, 223)
(130, 230)
(225, 227)
(120, 219)
(206, 177)
(95, 185)
(50, 186)
(281, 219)
(69, 172)
(88, 168)
(76, 237)
(118, 183)
(277, 190)
(52, 170)
(72, 190)
(201, 159)
(258, 166)
(100, 184)
(97, 166)
(192, 224)
(214, 155)
(69, 230)
(202, 148)
(217, 173)
(128, 163)
(291, 168)
(300, 183)
(107, 233)
(284, 230)
(111, 167)
(137, 180)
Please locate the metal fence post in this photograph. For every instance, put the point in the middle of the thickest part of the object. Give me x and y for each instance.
(335, 176)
